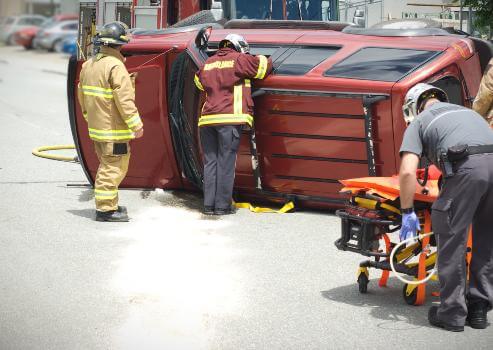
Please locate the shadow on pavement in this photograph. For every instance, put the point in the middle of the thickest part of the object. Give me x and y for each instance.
(86, 196)
(84, 213)
(386, 305)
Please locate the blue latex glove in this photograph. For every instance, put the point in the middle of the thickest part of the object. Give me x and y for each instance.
(410, 226)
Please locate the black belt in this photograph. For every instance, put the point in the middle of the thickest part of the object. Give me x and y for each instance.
(480, 149)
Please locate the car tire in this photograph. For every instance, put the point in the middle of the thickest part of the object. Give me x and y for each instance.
(11, 40)
(57, 46)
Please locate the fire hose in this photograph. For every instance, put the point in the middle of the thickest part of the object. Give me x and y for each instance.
(394, 251)
(40, 152)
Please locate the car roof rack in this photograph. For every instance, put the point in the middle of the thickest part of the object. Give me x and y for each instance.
(176, 30)
(405, 27)
(281, 24)
(400, 32)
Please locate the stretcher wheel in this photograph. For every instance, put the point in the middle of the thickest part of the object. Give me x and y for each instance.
(363, 283)
(411, 298)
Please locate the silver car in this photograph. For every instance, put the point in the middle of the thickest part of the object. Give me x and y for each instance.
(51, 37)
(11, 25)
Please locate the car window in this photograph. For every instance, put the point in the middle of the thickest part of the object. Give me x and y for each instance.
(380, 63)
(38, 21)
(300, 60)
(71, 26)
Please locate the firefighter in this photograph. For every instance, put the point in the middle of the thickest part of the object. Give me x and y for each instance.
(483, 103)
(106, 94)
(226, 80)
(459, 141)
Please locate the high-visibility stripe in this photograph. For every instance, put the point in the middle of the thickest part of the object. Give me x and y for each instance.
(133, 121)
(248, 83)
(238, 100)
(225, 119)
(197, 83)
(97, 88)
(97, 91)
(103, 194)
(110, 135)
(262, 67)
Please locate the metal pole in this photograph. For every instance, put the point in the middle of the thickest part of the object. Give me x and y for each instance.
(460, 13)
(469, 21)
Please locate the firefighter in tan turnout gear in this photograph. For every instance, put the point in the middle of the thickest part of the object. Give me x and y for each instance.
(483, 103)
(225, 78)
(106, 94)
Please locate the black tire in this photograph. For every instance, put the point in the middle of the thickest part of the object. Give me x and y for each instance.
(411, 298)
(363, 283)
(10, 41)
(201, 17)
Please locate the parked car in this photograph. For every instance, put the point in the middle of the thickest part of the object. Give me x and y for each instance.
(26, 36)
(51, 37)
(70, 45)
(331, 110)
(15, 23)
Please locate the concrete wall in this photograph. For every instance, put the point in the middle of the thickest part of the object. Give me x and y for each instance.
(69, 6)
(10, 8)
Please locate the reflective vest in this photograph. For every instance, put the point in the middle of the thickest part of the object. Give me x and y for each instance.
(483, 103)
(226, 80)
(106, 93)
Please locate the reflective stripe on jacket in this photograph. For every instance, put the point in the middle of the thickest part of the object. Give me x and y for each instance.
(225, 78)
(483, 103)
(106, 93)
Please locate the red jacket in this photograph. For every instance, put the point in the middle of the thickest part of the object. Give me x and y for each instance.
(225, 78)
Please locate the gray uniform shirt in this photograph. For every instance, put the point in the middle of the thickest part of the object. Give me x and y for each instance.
(444, 125)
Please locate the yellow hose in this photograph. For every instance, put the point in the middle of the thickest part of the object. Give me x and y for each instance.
(38, 152)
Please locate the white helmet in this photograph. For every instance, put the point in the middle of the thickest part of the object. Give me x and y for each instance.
(239, 43)
(416, 95)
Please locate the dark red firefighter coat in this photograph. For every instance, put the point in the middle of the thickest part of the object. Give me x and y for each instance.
(225, 78)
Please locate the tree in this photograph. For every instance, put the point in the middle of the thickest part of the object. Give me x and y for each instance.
(483, 11)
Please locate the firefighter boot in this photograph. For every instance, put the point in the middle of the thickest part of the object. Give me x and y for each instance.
(435, 321)
(122, 209)
(112, 216)
(476, 314)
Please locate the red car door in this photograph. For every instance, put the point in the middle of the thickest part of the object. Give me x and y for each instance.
(153, 163)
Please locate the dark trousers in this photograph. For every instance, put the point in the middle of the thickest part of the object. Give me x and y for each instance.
(219, 145)
(466, 197)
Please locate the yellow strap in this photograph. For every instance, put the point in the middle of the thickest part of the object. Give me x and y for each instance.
(371, 204)
(286, 208)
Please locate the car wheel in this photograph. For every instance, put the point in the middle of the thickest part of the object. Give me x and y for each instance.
(58, 46)
(11, 40)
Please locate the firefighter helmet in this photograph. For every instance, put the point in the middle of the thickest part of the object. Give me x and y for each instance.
(413, 102)
(236, 41)
(114, 33)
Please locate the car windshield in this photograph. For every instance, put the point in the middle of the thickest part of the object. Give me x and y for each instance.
(312, 10)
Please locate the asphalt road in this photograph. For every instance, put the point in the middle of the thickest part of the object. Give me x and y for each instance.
(170, 279)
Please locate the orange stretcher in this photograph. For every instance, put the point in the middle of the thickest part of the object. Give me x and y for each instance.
(368, 221)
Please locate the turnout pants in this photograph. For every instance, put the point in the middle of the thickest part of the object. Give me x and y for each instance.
(466, 197)
(113, 166)
(219, 144)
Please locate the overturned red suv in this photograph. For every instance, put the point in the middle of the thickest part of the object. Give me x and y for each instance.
(331, 109)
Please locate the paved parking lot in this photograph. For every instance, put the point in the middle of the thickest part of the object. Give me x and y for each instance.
(171, 278)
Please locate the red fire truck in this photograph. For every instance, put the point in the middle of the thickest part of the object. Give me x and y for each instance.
(332, 109)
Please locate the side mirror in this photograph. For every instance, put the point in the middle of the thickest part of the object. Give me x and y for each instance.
(202, 37)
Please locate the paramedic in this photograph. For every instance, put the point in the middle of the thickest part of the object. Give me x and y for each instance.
(460, 142)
